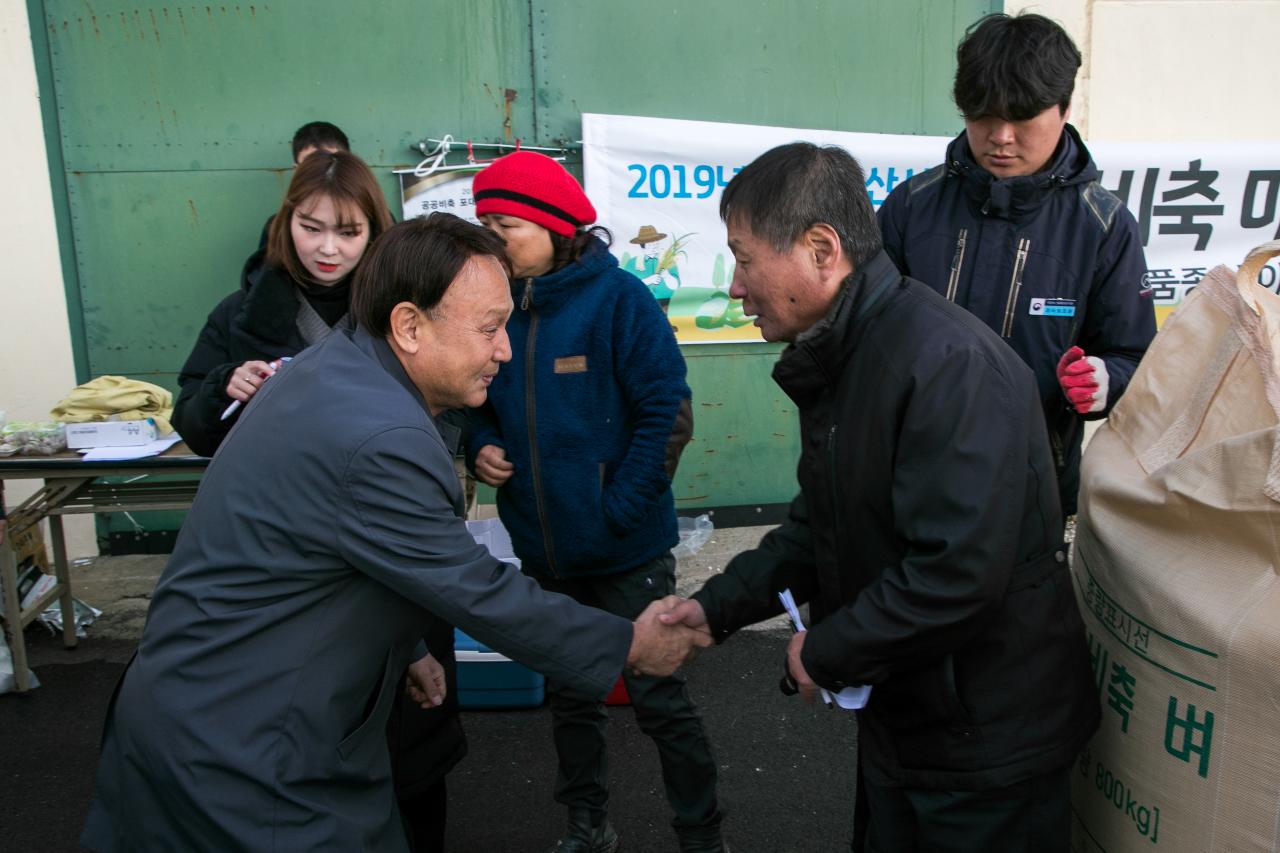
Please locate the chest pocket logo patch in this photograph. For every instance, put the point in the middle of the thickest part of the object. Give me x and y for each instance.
(572, 364)
(1052, 308)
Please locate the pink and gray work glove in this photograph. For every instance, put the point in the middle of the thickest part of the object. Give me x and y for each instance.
(1084, 380)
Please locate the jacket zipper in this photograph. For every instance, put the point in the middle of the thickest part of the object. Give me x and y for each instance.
(1015, 285)
(956, 263)
(833, 487)
(1059, 454)
(530, 414)
(832, 458)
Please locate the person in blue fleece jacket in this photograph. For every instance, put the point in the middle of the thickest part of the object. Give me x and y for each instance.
(580, 435)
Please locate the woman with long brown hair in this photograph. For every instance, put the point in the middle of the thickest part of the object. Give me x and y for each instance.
(292, 293)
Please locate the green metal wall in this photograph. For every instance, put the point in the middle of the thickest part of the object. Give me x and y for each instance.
(168, 129)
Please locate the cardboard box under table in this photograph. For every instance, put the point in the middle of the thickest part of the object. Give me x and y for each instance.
(487, 679)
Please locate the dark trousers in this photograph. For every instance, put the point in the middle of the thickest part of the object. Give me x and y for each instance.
(1030, 817)
(662, 707)
(424, 818)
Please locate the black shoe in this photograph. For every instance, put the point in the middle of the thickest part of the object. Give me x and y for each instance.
(585, 836)
(703, 840)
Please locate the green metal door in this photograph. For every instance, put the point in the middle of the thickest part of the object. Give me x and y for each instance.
(168, 129)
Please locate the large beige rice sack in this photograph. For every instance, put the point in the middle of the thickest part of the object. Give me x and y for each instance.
(1177, 553)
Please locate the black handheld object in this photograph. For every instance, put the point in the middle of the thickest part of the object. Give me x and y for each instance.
(788, 684)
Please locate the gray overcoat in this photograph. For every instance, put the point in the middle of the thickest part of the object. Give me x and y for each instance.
(253, 716)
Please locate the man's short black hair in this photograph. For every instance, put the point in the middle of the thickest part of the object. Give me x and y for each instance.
(319, 134)
(1014, 68)
(416, 261)
(788, 189)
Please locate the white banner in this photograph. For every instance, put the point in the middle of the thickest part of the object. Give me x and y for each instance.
(656, 185)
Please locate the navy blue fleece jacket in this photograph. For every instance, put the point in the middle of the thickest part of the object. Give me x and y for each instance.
(584, 411)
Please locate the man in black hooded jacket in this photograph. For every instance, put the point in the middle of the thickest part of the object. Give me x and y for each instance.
(1016, 227)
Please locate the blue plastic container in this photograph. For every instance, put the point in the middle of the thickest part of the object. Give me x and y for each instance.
(487, 679)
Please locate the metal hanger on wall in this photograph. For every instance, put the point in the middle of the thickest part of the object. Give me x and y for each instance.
(435, 158)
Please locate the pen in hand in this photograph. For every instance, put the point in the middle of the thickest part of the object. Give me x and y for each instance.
(788, 684)
(230, 410)
(235, 404)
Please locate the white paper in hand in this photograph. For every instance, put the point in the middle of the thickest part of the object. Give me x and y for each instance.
(851, 698)
(490, 533)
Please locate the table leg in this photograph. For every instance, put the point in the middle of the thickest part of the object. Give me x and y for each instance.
(63, 573)
(13, 616)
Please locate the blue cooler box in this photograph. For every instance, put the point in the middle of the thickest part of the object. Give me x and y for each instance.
(487, 679)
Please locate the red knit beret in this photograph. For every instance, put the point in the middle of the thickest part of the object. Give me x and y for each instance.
(532, 186)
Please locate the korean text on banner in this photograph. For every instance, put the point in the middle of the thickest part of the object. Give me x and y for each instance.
(656, 184)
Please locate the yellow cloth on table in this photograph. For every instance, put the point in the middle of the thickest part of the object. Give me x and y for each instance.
(126, 399)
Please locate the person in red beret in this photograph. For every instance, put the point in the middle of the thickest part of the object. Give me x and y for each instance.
(580, 435)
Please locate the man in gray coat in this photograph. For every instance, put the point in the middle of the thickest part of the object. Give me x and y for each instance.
(253, 716)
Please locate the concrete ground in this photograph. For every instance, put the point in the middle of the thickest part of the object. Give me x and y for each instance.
(786, 769)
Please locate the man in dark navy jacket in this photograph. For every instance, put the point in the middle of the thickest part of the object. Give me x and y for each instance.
(926, 537)
(1016, 227)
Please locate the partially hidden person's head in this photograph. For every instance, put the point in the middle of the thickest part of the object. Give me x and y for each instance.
(437, 290)
(1014, 79)
(318, 136)
(799, 221)
(538, 209)
(331, 212)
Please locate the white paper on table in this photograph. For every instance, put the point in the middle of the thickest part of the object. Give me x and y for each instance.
(851, 698)
(141, 451)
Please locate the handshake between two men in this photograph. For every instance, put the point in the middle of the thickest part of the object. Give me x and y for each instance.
(671, 630)
(667, 634)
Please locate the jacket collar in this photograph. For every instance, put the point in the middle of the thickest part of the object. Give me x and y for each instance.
(379, 349)
(552, 290)
(270, 307)
(1017, 198)
(817, 357)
